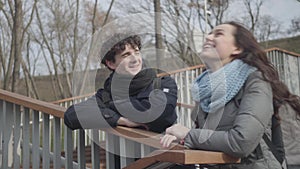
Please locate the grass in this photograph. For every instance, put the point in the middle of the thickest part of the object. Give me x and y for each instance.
(291, 44)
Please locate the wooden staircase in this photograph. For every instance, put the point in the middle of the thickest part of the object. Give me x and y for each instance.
(88, 156)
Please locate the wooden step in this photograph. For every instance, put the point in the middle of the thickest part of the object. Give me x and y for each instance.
(88, 157)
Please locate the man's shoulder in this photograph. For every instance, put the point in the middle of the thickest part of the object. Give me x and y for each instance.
(168, 85)
(168, 81)
(99, 92)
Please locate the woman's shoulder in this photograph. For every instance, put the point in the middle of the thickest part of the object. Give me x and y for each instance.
(256, 80)
(255, 74)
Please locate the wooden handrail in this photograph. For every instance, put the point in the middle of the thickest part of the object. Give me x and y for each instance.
(182, 70)
(282, 50)
(142, 136)
(185, 157)
(34, 104)
(49, 108)
(195, 157)
(189, 106)
(72, 98)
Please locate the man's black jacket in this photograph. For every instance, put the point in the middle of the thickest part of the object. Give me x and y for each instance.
(97, 112)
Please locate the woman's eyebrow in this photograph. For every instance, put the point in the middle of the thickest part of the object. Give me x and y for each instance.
(219, 30)
(216, 30)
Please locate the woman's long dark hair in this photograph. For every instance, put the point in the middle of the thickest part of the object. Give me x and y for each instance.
(255, 56)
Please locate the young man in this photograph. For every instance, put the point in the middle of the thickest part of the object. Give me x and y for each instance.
(132, 96)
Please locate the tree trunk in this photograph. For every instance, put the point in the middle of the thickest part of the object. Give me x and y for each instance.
(17, 31)
(158, 35)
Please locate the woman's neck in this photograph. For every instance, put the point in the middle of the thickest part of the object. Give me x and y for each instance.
(214, 66)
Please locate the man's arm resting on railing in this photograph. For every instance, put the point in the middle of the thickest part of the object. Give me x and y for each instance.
(88, 114)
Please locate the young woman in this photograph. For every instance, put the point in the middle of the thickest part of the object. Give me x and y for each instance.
(235, 100)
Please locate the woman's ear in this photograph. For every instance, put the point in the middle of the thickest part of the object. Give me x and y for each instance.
(111, 64)
(237, 51)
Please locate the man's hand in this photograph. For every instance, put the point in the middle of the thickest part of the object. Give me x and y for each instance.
(126, 122)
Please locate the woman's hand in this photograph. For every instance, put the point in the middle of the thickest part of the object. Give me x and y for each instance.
(176, 132)
(126, 122)
(166, 140)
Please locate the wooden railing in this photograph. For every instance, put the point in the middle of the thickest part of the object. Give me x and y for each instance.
(22, 140)
(288, 66)
(25, 145)
(183, 113)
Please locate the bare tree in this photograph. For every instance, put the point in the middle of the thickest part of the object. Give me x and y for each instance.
(267, 28)
(264, 27)
(58, 34)
(17, 42)
(16, 29)
(178, 23)
(253, 8)
(61, 35)
(108, 12)
(95, 17)
(184, 31)
(186, 16)
(29, 68)
(214, 12)
(158, 35)
(99, 19)
(294, 28)
(217, 8)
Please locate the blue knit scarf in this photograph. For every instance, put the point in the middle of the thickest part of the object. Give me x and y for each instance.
(214, 89)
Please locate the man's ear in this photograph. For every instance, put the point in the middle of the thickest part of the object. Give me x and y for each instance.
(111, 64)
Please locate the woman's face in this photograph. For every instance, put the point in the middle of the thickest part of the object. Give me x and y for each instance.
(220, 45)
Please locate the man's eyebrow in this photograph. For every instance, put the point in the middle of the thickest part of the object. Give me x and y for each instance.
(126, 53)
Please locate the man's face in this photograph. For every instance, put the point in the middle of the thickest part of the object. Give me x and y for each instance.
(128, 62)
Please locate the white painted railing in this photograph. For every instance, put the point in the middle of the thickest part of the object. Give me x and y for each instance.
(288, 65)
(27, 145)
(26, 134)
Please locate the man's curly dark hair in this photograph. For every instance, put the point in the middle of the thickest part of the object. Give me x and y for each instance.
(116, 44)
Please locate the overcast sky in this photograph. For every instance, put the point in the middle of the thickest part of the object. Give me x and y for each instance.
(282, 9)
